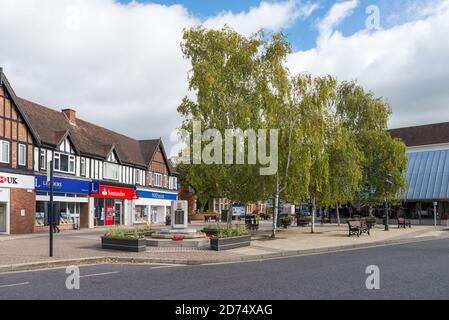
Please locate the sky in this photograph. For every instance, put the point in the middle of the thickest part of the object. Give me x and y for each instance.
(118, 63)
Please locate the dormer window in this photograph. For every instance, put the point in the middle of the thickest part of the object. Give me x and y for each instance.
(64, 163)
(111, 168)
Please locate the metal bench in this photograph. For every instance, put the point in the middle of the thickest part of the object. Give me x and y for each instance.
(403, 223)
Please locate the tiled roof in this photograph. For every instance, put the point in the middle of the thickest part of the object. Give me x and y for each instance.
(423, 135)
(89, 139)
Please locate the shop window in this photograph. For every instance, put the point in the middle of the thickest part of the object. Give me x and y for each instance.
(111, 171)
(64, 163)
(43, 159)
(141, 214)
(22, 154)
(4, 151)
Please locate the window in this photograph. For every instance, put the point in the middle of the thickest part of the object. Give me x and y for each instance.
(150, 178)
(141, 214)
(175, 183)
(64, 163)
(83, 167)
(4, 151)
(138, 176)
(158, 180)
(22, 155)
(165, 181)
(111, 171)
(43, 159)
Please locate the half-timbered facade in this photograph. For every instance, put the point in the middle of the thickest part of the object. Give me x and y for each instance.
(98, 173)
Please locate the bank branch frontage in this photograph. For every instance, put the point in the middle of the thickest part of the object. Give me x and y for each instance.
(101, 178)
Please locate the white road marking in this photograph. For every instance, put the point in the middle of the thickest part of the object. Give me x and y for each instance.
(14, 285)
(99, 274)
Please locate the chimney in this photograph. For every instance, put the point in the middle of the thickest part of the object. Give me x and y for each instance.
(71, 115)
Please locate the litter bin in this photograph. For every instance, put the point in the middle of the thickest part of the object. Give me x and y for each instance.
(168, 221)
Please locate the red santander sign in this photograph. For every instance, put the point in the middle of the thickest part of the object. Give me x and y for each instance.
(116, 193)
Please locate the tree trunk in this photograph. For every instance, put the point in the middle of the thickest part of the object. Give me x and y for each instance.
(313, 215)
(338, 216)
(275, 209)
(229, 217)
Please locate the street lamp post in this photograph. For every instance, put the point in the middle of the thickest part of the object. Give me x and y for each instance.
(435, 213)
(388, 186)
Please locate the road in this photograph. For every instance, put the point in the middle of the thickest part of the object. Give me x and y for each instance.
(409, 271)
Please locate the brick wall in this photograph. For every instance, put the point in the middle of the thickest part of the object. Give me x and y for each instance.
(185, 194)
(22, 199)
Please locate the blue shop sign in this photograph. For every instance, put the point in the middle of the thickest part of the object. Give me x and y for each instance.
(62, 185)
(157, 195)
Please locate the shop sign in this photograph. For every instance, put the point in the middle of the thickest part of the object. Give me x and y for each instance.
(116, 193)
(9, 180)
(61, 185)
(157, 195)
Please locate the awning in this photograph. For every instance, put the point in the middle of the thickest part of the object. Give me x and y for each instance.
(428, 176)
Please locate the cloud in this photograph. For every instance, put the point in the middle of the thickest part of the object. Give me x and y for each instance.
(118, 65)
(334, 17)
(406, 64)
(269, 16)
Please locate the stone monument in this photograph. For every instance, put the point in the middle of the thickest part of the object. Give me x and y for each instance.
(179, 235)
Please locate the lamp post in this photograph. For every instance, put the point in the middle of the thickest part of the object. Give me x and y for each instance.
(388, 186)
(435, 204)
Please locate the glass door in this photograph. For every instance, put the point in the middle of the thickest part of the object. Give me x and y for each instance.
(118, 214)
(3, 222)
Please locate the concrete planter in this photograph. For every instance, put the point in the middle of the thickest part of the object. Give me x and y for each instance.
(130, 245)
(229, 243)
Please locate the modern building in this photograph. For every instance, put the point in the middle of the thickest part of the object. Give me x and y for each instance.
(428, 171)
(101, 177)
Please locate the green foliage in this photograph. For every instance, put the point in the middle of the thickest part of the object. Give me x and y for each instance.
(366, 118)
(230, 232)
(305, 219)
(287, 220)
(127, 233)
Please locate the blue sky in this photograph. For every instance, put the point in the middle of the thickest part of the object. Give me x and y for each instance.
(303, 33)
(120, 64)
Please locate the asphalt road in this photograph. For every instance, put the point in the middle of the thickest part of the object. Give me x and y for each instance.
(411, 271)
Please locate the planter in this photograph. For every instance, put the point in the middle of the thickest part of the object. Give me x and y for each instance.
(210, 232)
(229, 243)
(130, 245)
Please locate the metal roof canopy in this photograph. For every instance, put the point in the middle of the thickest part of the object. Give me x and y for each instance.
(428, 176)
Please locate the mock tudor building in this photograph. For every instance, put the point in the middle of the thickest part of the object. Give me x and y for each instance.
(102, 177)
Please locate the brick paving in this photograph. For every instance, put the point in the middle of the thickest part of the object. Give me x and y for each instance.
(87, 243)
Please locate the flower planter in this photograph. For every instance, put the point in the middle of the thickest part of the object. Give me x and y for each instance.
(130, 245)
(210, 232)
(219, 244)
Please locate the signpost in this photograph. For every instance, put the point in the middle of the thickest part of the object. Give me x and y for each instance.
(51, 213)
(435, 213)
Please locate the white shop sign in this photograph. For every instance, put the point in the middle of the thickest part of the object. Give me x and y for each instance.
(4, 195)
(10, 180)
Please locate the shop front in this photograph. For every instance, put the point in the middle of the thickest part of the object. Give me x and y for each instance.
(17, 202)
(112, 205)
(71, 197)
(153, 206)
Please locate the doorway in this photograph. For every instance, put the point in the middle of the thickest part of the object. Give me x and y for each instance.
(3, 218)
(118, 214)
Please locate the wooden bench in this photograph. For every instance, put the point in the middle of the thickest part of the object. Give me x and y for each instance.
(403, 223)
(357, 227)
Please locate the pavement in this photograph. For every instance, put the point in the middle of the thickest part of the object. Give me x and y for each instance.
(407, 271)
(81, 247)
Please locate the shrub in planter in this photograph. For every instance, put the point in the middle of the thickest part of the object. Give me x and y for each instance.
(124, 239)
(286, 221)
(304, 220)
(229, 238)
(370, 221)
